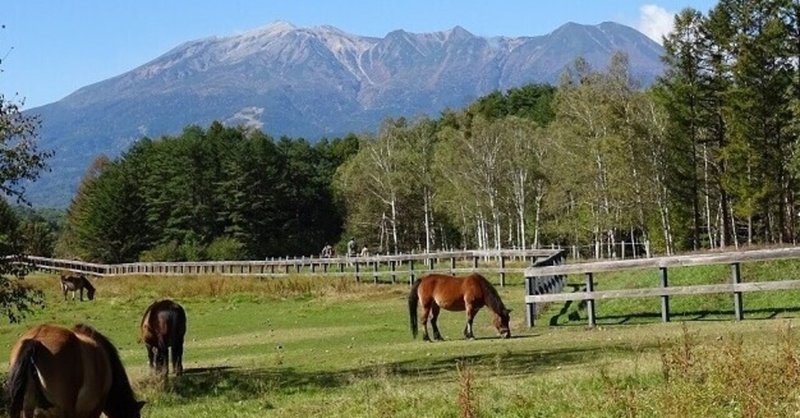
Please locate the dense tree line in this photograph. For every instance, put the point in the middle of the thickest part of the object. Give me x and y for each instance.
(705, 158)
(219, 193)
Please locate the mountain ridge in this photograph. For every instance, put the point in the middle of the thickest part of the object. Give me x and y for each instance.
(310, 82)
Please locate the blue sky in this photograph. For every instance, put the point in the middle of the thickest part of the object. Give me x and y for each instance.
(51, 48)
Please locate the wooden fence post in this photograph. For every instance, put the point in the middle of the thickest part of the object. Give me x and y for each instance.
(358, 276)
(411, 270)
(530, 308)
(590, 302)
(502, 271)
(662, 276)
(736, 274)
(375, 272)
(392, 268)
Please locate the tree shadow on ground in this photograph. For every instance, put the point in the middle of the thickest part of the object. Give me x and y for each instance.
(240, 383)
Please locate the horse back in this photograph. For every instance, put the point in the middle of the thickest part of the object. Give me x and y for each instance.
(74, 282)
(164, 321)
(67, 370)
(449, 292)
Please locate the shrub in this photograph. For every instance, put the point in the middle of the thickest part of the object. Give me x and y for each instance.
(226, 248)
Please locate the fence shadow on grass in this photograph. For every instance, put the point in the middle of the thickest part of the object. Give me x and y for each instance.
(239, 383)
(576, 319)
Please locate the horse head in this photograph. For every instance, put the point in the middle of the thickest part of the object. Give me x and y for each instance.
(501, 322)
(133, 410)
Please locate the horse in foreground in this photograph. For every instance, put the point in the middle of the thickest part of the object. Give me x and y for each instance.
(455, 293)
(77, 373)
(75, 283)
(163, 327)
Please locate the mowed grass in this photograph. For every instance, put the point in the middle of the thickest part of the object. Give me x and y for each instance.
(303, 347)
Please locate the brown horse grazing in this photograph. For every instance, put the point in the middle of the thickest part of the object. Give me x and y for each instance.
(466, 293)
(75, 283)
(163, 327)
(62, 373)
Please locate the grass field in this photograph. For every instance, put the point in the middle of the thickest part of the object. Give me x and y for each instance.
(308, 347)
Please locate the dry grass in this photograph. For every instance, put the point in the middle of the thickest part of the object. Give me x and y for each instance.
(467, 400)
(222, 286)
(725, 377)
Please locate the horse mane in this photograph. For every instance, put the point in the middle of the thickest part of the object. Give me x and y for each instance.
(491, 297)
(120, 396)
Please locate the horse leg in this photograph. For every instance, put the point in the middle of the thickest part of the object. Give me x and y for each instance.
(435, 323)
(151, 354)
(81, 291)
(468, 327)
(177, 356)
(163, 358)
(426, 311)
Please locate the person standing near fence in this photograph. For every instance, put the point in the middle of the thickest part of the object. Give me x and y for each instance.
(351, 247)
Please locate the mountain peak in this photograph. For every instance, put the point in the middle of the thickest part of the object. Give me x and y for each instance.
(278, 27)
(310, 82)
(458, 32)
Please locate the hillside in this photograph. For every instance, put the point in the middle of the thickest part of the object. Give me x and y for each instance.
(310, 82)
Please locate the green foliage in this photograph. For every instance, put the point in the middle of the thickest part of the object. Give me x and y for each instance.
(174, 197)
(163, 252)
(21, 161)
(729, 93)
(531, 101)
(17, 298)
(225, 248)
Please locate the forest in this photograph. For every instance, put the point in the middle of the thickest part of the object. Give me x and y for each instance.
(705, 158)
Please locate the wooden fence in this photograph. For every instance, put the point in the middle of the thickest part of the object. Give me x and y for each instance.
(558, 272)
(409, 265)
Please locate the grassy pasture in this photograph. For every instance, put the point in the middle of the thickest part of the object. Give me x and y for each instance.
(330, 347)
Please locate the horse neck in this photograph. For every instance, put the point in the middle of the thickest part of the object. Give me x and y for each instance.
(87, 284)
(120, 397)
(491, 298)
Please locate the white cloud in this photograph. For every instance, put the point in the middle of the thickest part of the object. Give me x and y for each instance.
(655, 21)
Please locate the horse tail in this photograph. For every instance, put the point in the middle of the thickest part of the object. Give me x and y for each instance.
(178, 324)
(22, 371)
(413, 300)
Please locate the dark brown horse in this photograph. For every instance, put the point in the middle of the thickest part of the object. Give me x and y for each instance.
(75, 283)
(455, 293)
(163, 327)
(77, 373)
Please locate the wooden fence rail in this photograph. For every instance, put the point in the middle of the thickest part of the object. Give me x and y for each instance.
(375, 266)
(735, 287)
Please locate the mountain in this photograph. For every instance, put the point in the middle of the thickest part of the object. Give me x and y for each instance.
(310, 82)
